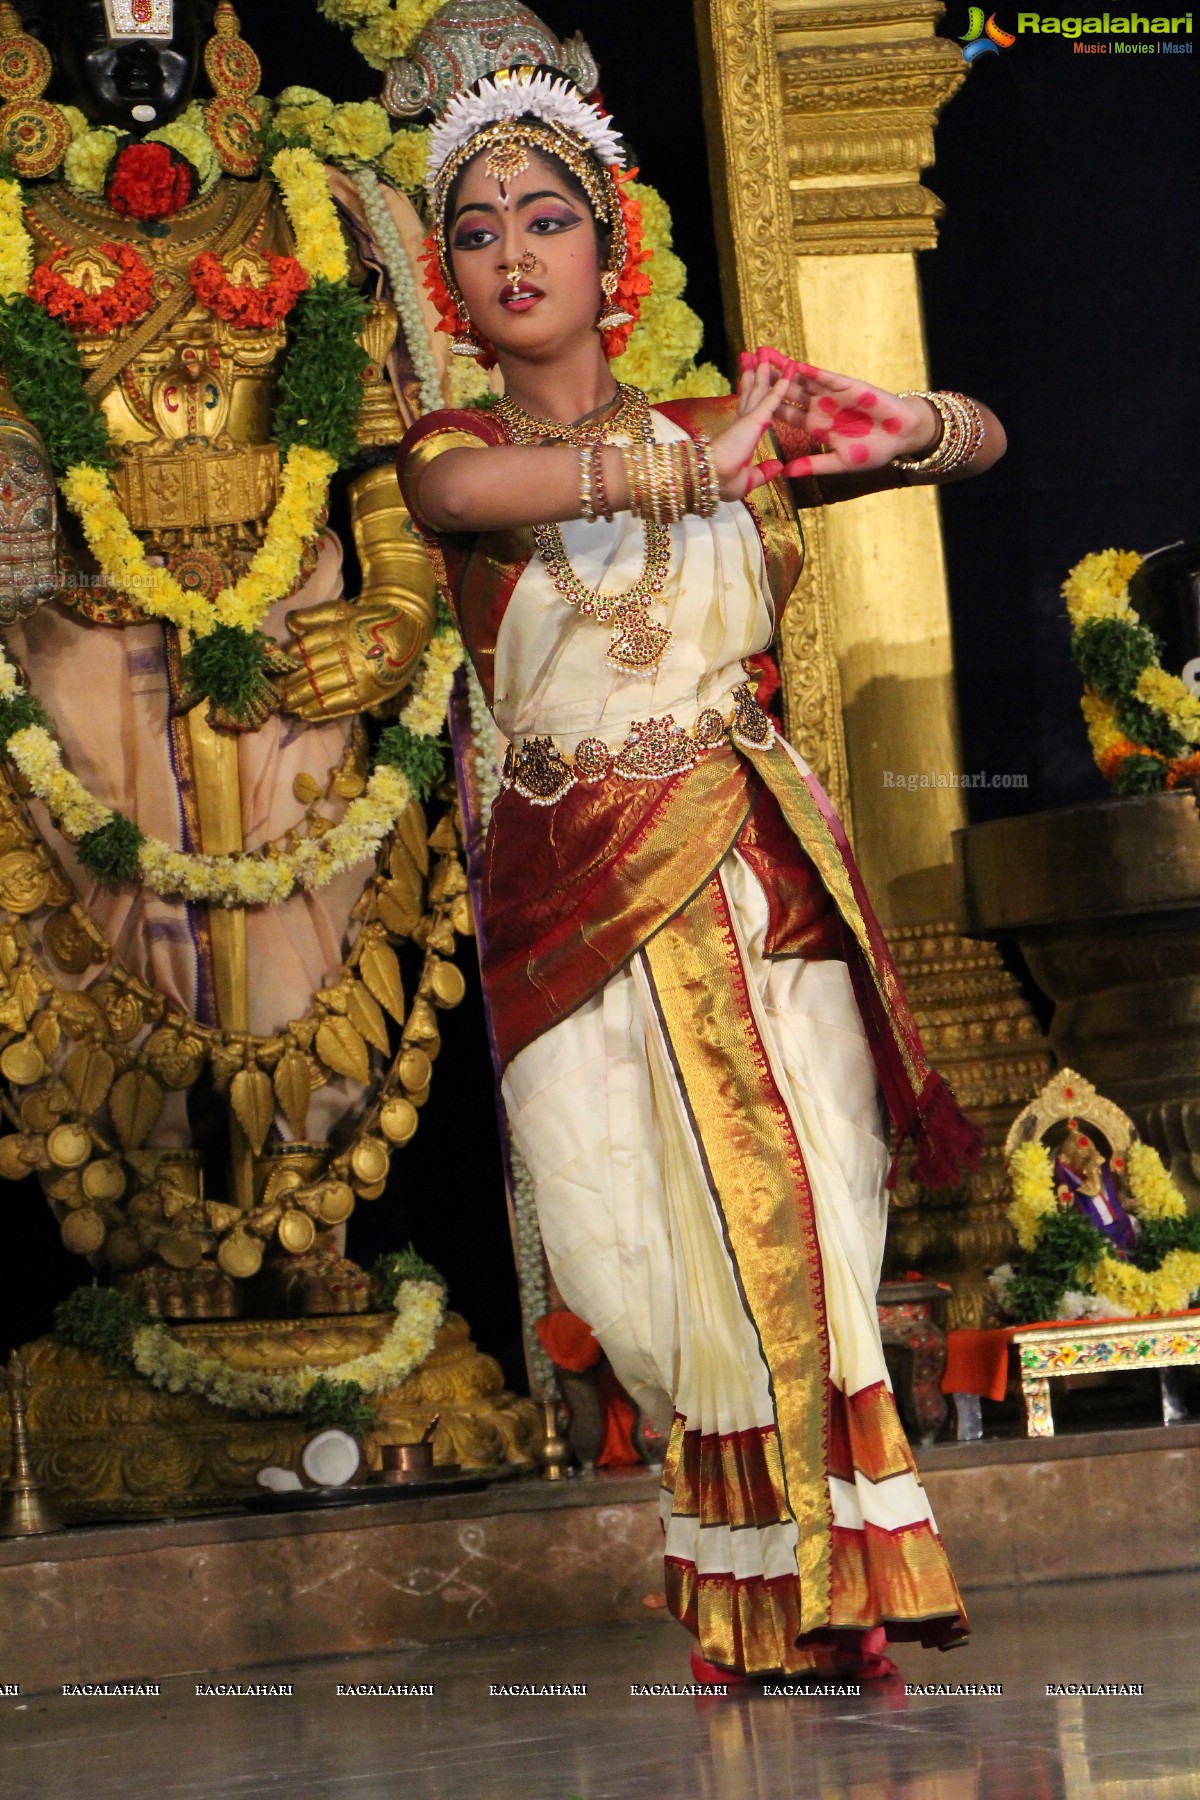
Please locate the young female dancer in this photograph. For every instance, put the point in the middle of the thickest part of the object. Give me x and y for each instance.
(695, 1009)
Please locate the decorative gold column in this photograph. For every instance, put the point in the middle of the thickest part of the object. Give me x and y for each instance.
(219, 802)
(820, 120)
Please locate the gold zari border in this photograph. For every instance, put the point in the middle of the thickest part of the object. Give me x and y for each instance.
(758, 1180)
(866, 1436)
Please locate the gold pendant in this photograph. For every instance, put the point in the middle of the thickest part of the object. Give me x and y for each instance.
(637, 645)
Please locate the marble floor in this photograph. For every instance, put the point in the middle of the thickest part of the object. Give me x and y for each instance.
(462, 1743)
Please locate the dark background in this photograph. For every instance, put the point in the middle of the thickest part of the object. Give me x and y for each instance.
(1065, 291)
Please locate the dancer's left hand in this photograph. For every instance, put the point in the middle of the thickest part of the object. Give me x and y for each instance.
(862, 426)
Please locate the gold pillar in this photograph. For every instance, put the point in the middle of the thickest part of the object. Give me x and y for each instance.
(820, 120)
(219, 803)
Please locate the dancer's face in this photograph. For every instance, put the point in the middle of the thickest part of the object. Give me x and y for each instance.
(541, 226)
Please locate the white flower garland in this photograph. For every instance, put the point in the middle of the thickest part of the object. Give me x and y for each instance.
(552, 98)
(404, 291)
(170, 1365)
(251, 879)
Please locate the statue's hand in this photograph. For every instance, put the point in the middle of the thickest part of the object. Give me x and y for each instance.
(353, 655)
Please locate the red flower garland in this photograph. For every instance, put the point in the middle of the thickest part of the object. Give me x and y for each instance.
(127, 300)
(148, 181)
(240, 303)
(632, 285)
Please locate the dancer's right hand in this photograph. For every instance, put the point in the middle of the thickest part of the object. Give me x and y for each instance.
(761, 390)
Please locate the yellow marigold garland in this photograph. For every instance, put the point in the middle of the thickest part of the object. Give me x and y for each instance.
(304, 189)
(1032, 1176)
(273, 570)
(16, 247)
(1152, 1195)
(1109, 643)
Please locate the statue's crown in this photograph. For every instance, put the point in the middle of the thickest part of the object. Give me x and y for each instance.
(469, 40)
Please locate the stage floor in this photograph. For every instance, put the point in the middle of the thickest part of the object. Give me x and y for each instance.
(462, 1743)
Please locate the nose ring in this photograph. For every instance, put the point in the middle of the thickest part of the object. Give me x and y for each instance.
(525, 265)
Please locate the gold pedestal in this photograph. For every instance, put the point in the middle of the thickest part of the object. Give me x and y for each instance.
(1046, 1352)
(114, 1446)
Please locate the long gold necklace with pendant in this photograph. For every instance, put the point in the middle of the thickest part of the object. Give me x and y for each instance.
(637, 645)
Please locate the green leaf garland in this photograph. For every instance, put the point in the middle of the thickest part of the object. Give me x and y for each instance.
(320, 389)
(227, 667)
(422, 760)
(111, 851)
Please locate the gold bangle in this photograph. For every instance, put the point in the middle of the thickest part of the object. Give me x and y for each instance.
(961, 435)
(587, 504)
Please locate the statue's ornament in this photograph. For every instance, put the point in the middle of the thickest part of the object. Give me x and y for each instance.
(32, 132)
(28, 563)
(140, 19)
(468, 40)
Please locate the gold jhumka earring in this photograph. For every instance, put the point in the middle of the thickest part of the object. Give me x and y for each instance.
(612, 314)
(465, 343)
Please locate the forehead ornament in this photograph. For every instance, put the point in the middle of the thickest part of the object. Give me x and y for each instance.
(140, 18)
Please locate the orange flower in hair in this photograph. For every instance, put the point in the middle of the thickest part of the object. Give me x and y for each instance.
(449, 318)
(632, 285)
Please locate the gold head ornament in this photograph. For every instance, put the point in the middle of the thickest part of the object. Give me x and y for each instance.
(140, 19)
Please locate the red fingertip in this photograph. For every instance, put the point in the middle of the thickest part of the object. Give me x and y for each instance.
(799, 466)
(806, 368)
(768, 470)
(858, 453)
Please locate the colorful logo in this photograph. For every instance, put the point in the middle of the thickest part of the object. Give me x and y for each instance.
(984, 37)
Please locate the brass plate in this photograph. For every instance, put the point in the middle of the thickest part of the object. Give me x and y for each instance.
(369, 1160)
(69, 1146)
(240, 1256)
(297, 1232)
(39, 1113)
(22, 1063)
(68, 943)
(104, 1180)
(416, 1070)
(348, 783)
(180, 1249)
(83, 1232)
(398, 1120)
(337, 1203)
(13, 1163)
(448, 984)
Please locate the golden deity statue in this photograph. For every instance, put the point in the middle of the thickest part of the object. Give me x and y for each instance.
(207, 862)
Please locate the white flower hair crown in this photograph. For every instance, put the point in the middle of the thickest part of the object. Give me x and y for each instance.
(508, 96)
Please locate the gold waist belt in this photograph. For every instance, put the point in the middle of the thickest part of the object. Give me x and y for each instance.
(195, 486)
(654, 750)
